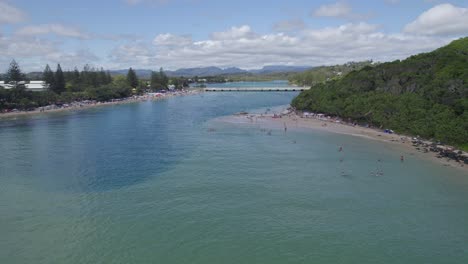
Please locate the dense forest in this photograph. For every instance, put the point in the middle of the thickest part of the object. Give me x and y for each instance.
(326, 73)
(425, 95)
(68, 86)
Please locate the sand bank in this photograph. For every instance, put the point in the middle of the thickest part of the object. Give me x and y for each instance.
(292, 121)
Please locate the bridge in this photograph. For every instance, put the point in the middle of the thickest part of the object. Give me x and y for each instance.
(256, 89)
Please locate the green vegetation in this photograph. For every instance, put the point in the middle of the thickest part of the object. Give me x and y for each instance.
(247, 77)
(89, 78)
(425, 95)
(132, 78)
(179, 82)
(14, 73)
(70, 86)
(59, 83)
(49, 77)
(64, 87)
(266, 77)
(326, 73)
(159, 80)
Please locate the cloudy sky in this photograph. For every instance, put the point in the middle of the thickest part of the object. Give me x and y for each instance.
(249, 34)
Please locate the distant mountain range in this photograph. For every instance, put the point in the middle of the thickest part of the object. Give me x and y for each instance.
(280, 68)
(216, 71)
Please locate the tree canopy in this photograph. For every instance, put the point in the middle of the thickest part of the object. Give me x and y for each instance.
(132, 78)
(159, 80)
(14, 73)
(326, 73)
(48, 77)
(425, 95)
(90, 84)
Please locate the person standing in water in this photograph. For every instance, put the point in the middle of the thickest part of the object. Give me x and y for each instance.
(379, 168)
(341, 165)
(402, 158)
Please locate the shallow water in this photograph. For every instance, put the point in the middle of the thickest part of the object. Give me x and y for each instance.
(168, 182)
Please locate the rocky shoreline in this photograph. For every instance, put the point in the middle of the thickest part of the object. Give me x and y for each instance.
(441, 151)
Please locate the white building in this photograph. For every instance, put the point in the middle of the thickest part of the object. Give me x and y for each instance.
(35, 86)
(5, 85)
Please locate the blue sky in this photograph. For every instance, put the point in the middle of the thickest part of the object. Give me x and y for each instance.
(248, 34)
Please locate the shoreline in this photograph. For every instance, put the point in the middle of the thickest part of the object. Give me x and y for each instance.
(292, 120)
(84, 105)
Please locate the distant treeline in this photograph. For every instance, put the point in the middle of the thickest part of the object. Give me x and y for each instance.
(88, 84)
(425, 95)
(250, 77)
(327, 73)
(245, 77)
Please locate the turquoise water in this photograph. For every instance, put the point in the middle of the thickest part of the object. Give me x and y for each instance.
(169, 182)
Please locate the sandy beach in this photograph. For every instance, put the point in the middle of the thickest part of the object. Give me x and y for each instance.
(293, 121)
(78, 106)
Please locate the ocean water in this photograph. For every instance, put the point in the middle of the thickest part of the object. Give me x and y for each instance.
(172, 182)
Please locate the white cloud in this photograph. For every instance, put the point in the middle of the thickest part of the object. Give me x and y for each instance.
(20, 47)
(171, 40)
(289, 25)
(291, 43)
(68, 60)
(116, 37)
(241, 46)
(443, 19)
(338, 9)
(237, 46)
(242, 32)
(33, 53)
(10, 14)
(58, 29)
(134, 54)
(346, 30)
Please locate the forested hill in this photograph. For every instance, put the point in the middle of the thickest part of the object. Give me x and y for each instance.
(425, 95)
(323, 74)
